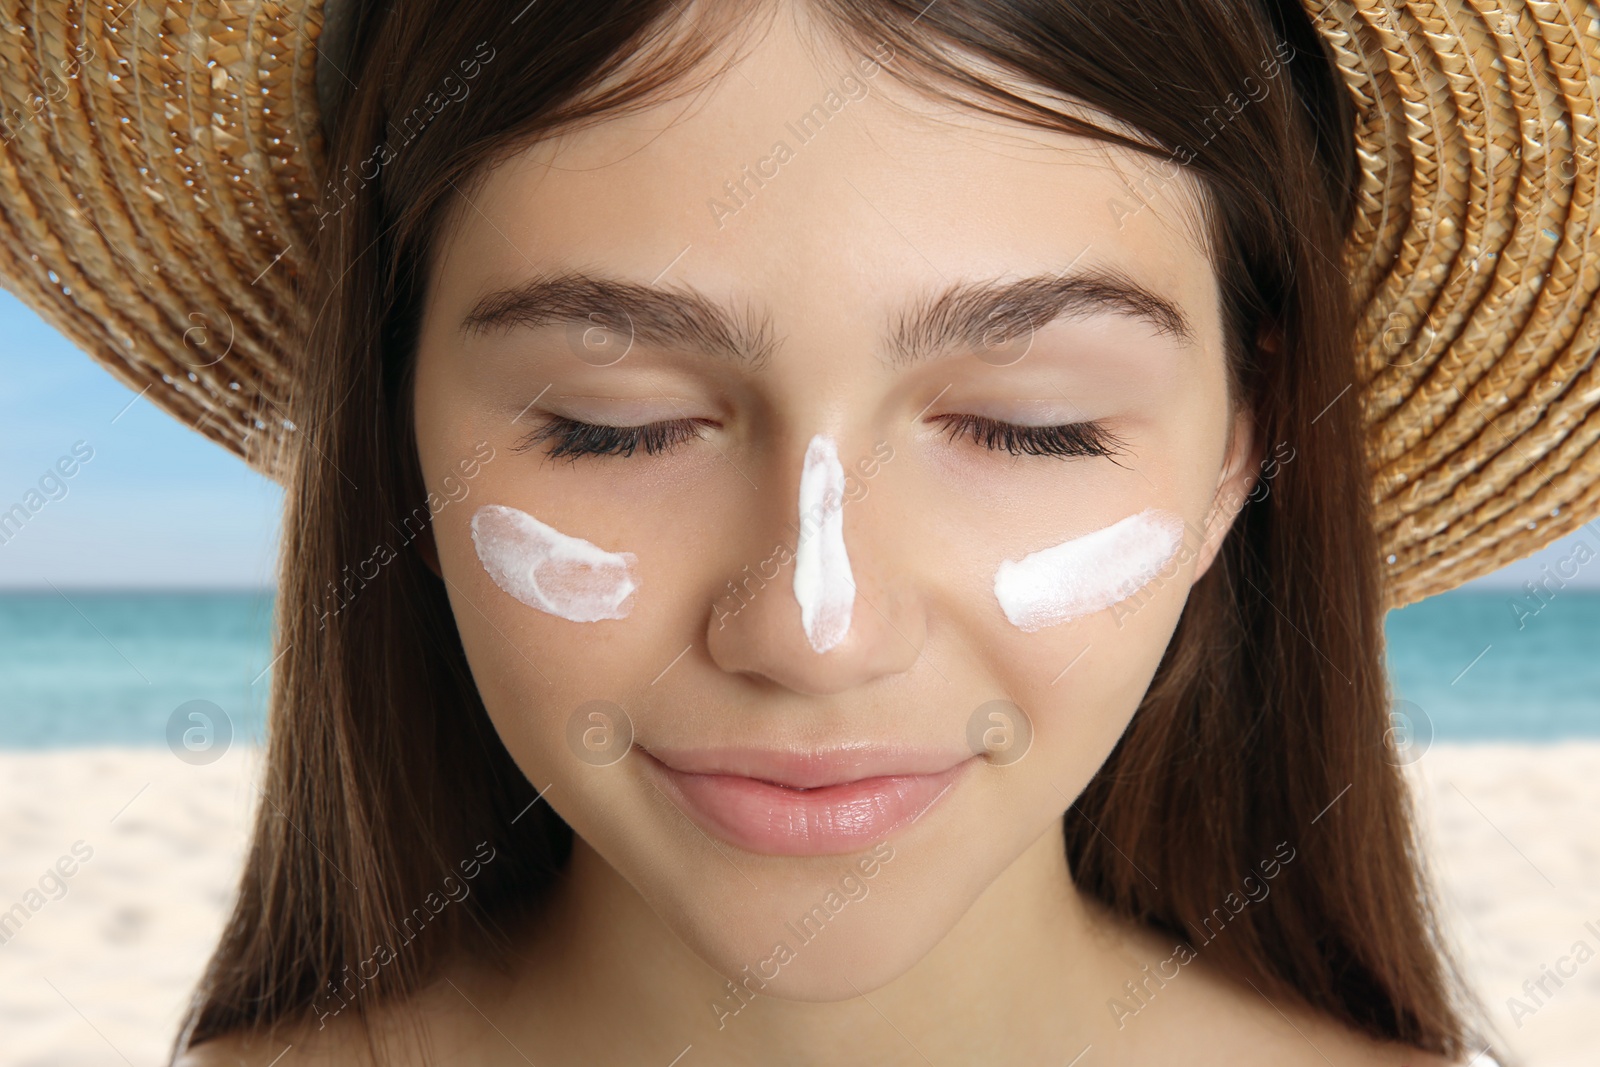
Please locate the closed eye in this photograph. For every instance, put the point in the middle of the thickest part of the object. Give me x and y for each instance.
(572, 438)
(1066, 439)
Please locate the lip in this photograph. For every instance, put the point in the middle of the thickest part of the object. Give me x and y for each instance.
(808, 803)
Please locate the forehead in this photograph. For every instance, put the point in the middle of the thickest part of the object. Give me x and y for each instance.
(807, 171)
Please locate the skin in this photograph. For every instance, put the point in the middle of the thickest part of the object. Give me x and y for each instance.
(977, 905)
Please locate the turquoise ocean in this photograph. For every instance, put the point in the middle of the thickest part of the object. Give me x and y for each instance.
(83, 668)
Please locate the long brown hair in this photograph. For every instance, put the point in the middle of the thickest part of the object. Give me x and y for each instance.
(1264, 727)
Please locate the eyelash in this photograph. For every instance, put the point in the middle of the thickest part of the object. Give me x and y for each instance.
(573, 439)
(1067, 439)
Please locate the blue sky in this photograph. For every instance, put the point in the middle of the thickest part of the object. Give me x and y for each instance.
(159, 505)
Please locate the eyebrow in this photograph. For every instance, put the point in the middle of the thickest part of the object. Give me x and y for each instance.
(966, 315)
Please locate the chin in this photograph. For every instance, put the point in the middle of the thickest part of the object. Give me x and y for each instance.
(829, 927)
(800, 938)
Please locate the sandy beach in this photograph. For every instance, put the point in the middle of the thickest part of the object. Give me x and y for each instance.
(1515, 846)
(98, 972)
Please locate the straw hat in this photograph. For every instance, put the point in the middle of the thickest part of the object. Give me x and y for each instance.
(159, 165)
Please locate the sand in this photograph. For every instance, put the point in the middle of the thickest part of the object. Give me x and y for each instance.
(1515, 848)
(99, 973)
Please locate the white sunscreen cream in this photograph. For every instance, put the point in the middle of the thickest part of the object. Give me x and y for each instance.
(823, 583)
(546, 569)
(1088, 573)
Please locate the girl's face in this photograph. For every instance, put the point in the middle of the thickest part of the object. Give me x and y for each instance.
(796, 654)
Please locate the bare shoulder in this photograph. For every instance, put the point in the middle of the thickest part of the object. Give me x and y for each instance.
(1280, 1032)
(231, 1050)
(1343, 1046)
(275, 1050)
(1174, 1005)
(324, 1043)
(427, 1027)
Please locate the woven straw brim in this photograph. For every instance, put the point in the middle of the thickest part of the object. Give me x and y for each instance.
(158, 167)
(1475, 259)
(161, 161)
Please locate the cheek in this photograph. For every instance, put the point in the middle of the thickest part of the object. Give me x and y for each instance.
(552, 571)
(1079, 681)
(558, 613)
(1095, 572)
(1078, 675)
(1077, 686)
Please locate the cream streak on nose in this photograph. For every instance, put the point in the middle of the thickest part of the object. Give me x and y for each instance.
(1088, 573)
(552, 571)
(823, 583)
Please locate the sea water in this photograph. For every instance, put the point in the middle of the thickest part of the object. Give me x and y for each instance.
(84, 668)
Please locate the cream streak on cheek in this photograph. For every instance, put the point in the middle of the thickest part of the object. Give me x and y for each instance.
(1088, 573)
(549, 570)
(823, 583)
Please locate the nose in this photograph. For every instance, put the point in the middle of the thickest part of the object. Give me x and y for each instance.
(825, 606)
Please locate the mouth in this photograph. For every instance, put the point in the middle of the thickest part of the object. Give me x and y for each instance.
(814, 804)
